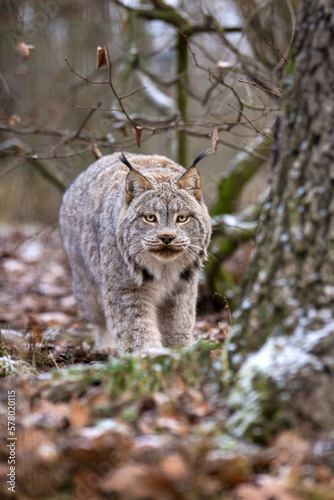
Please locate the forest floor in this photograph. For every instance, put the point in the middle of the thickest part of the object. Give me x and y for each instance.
(135, 427)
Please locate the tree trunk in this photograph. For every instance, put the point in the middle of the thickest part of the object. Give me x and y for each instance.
(286, 314)
(182, 97)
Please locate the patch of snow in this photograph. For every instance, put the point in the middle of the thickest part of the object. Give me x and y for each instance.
(308, 340)
(110, 424)
(262, 275)
(279, 360)
(246, 304)
(161, 100)
(284, 237)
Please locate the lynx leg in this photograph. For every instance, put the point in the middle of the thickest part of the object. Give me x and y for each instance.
(87, 295)
(131, 321)
(177, 317)
(103, 340)
(88, 298)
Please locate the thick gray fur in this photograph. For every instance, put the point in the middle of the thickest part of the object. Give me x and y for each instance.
(139, 291)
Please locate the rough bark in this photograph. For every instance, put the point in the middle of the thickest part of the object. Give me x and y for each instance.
(287, 309)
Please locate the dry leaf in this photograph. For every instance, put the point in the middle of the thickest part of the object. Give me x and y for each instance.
(175, 468)
(97, 398)
(21, 152)
(269, 488)
(165, 405)
(173, 425)
(24, 49)
(137, 130)
(125, 131)
(214, 139)
(85, 484)
(14, 120)
(290, 449)
(48, 415)
(229, 468)
(150, 447)
(79, 413)
(102, 56)
(139, 481)
(96, 152)
(52, 318)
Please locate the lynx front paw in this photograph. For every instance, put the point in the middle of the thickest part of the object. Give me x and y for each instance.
(103, 341)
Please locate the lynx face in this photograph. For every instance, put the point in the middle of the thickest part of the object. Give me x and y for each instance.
(164, 221)
(165, 226)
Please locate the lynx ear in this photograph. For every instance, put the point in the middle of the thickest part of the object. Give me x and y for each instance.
(190, 181)
(136, 183)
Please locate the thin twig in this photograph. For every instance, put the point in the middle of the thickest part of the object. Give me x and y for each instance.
(11, 168)
(260, 88)
(54, 361)
(94, 82)
(279, 52)
(132, 93)
(250, 123)
(80, 129)
(119, 100)
(111, 85)
(230, 145)
(212, 76)
(95, 108)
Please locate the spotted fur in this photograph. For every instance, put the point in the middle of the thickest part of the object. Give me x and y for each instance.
(139, 291)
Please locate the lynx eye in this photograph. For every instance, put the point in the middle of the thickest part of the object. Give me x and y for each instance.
(182, 218)
(150, 218)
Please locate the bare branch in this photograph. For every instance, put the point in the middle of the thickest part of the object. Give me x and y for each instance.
(260, 88)
(231, 145)
(279, 52)
(250, 123)
(94, 82)
(37, 163)
(80, 129)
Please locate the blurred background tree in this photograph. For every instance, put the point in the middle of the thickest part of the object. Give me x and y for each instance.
(180, 77)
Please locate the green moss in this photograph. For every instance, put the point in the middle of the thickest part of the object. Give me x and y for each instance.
(313, 491)
(256, 409)
(141, 374)
(10, 367)
(130, 414)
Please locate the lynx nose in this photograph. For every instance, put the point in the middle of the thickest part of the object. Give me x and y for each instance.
(166, 238)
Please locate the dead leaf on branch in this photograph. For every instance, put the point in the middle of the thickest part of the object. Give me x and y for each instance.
(214, 139)
(137, 130)
(102, 56)
(96, 152)
(24, 49)
(14, 120)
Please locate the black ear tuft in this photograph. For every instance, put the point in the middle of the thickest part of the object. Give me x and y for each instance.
(199, 157)
(126, 162)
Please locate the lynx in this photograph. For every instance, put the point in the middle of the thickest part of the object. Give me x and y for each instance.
(136, 232)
